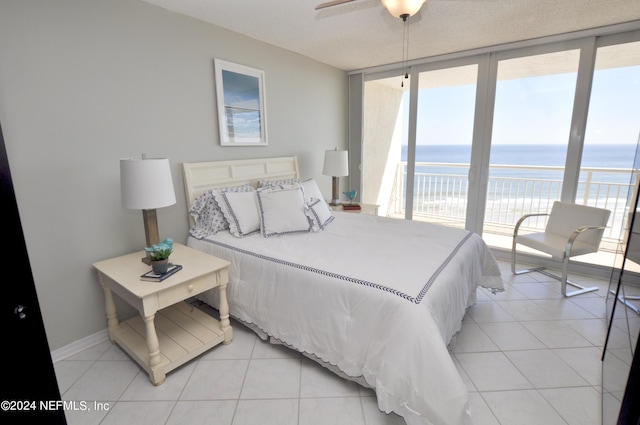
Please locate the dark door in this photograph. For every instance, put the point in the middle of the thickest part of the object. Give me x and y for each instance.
(30, 391)
(630, 408)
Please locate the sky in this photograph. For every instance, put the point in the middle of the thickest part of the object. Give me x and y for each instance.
(536, 110)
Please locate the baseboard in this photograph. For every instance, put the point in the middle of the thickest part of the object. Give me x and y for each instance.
(77, 346)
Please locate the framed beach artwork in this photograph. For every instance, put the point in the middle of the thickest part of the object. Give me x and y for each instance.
(242, 112)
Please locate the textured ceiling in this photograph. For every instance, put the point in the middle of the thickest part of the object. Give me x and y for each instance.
(363, 34)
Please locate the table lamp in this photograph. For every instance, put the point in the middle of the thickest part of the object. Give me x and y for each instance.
(336, 164)
(146, 184)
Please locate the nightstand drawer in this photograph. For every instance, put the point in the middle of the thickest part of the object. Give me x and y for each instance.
(187, 289)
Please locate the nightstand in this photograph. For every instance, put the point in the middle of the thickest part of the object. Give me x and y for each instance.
(364, 209)
(168, 332)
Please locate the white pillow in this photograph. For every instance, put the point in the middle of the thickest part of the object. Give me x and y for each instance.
(241, 211)
(309, 186)
(282, 211)
(311, 190)
(320, 214)
(206, 212)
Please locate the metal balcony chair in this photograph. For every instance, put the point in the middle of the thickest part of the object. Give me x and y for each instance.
(571, 230)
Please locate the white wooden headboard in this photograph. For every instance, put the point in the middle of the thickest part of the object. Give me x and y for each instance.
(202, 176)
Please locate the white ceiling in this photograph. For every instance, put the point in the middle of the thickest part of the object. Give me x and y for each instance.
(362, 34)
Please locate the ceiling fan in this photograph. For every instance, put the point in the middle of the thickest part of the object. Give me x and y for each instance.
(402, 9)
(399, 8)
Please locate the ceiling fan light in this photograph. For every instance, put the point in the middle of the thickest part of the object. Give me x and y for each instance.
(398, 8)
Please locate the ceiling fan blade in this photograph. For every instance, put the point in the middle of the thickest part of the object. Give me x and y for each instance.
(332, 3)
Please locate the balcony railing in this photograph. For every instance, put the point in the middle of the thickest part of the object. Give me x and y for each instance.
(441, 193)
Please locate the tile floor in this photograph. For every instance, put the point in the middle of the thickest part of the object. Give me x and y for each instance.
(527, 356)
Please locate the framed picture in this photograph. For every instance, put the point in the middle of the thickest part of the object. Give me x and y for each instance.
(242, 112)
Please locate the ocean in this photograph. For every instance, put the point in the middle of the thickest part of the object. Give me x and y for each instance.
(604, 155)
(619, 156)
(441, 189)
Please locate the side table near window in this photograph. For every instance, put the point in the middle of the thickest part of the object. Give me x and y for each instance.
(364, 209)
(168, 332)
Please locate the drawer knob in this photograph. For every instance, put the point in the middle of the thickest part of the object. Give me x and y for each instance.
(190, 287)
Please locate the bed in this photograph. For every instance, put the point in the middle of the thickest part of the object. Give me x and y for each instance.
(376, 300)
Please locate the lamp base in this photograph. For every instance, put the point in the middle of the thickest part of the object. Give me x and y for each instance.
(335, 189)
(152, 236)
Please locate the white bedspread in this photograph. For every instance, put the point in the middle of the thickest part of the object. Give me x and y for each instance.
(378, 298)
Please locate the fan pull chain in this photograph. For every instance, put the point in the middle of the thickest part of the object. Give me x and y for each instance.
(405, 48)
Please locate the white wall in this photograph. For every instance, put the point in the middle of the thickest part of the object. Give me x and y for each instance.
(382, 148)
(84, 83)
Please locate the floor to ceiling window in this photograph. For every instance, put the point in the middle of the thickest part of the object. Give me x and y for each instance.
(532, 118)
(439, 165)
(611, 135)
(444, 134)
(478, 141)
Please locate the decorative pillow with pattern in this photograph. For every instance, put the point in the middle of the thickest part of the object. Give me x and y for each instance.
(206, 212)
(277, 182)
(282, 211)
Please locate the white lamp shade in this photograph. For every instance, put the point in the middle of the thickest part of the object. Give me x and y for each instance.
(398, 8)
(336, 163)
(146, 184)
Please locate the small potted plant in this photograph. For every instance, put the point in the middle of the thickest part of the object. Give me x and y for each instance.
(160, 260)
(159, 256)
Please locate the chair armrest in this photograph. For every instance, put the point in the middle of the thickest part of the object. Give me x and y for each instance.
(575, 235)
(522, 219)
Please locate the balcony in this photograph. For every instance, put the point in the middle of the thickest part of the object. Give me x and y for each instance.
(441, 197)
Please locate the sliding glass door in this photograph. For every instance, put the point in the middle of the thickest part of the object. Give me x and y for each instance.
(612, 130)
(476, 142)
(444, 135)
(532, 118)
(423, 177)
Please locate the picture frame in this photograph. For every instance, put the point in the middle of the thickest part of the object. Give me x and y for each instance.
(242, 115)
